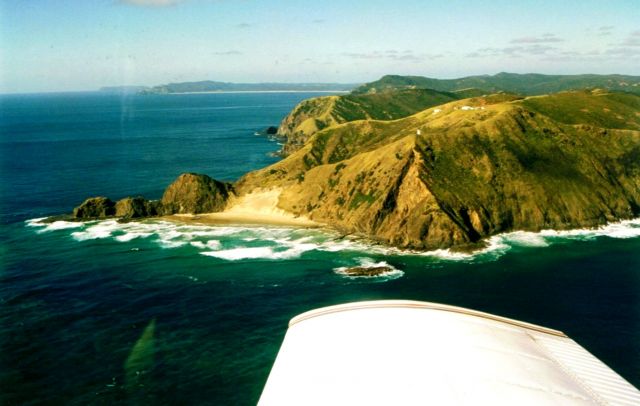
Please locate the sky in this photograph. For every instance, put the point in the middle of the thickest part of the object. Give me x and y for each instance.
(55, 45)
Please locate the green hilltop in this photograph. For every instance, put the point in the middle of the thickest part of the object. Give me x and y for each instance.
(393, 97)
(526, 84)
(315, 114)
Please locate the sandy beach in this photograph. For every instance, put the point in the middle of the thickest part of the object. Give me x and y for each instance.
(259, 207)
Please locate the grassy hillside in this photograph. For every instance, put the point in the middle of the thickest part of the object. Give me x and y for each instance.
(394, 97)
(477, 167)
(525, 84)
(315, 114)
(597, 108)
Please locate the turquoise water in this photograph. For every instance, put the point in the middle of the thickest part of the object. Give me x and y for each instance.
(156, 312)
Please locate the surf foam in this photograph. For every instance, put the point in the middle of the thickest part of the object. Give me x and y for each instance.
(246, 242)
(53, 226)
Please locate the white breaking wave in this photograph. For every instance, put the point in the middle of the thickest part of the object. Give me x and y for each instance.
(211, 244)
(235, 254)
(525, 239)
(53, 226)
(293, 250)
(621, 229)
(234, 243)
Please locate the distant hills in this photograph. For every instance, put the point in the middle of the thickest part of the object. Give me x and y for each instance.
(525, 84)
(212, 86)
(528, 84)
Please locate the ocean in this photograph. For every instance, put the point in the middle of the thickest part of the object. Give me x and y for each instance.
(153, 312)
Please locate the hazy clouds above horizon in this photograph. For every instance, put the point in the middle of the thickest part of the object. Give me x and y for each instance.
(80, 45)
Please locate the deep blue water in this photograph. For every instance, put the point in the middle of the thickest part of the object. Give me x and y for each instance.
(154, 312)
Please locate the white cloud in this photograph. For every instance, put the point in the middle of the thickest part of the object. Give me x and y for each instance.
(624, 52)
(514, 51)
(228, 53)
(605, 30)
(544, 39)
(393, 55)
(633, 40)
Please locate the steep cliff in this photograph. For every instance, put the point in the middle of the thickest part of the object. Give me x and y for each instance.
(451, 175)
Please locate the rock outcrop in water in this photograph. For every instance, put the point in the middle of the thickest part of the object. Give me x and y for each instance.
(190, 193)
(271, 130)
(95, 207)
(137, 207)
(367, 270)
(194, 193)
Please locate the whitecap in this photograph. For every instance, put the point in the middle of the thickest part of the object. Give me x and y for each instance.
(171, 234)
(53, 226)
(37, 222)
(235, 254)
(60, 225)
(171, 243)
(132, 236)
(525, 239)
(296, 250)
(622, 229)
(445, 254)
(213, 244)
(246, 242)
(99, 230)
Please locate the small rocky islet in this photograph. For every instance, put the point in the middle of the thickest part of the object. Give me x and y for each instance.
(423, 169)
(367, 271)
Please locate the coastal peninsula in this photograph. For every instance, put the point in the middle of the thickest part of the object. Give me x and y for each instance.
(426, 168)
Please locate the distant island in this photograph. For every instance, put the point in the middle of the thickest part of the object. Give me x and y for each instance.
(423, 163)
(208, 86)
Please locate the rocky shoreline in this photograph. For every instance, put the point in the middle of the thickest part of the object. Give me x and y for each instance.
(190, 193)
